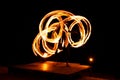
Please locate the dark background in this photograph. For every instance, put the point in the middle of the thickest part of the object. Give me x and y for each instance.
(25, 18)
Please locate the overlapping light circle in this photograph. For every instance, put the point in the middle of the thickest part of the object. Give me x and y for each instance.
(55, 31)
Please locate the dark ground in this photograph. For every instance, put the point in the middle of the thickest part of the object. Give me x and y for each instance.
(89, 75)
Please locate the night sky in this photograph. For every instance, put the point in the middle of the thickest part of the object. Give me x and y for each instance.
(26, 18)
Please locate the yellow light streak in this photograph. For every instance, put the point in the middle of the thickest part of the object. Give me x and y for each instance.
(51, 30)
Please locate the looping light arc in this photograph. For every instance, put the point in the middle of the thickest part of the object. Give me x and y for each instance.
(55, 32)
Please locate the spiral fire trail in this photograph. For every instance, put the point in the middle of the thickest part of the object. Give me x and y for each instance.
(55, 32)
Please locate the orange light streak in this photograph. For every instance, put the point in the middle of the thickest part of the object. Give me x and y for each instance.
(51, 29)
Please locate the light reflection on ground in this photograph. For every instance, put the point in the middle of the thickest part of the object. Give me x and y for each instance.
(4, 75)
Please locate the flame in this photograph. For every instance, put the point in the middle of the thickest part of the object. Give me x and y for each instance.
(55, 30)
(91, 59)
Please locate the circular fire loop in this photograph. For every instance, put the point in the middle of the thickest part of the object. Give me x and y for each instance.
(55, 32)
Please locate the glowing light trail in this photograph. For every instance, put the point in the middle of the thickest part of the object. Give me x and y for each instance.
(55, 30)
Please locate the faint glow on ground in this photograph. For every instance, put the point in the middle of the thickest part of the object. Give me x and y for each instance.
(45, 67)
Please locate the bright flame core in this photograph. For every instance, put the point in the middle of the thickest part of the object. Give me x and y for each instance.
(55, 32)
(91, 59)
